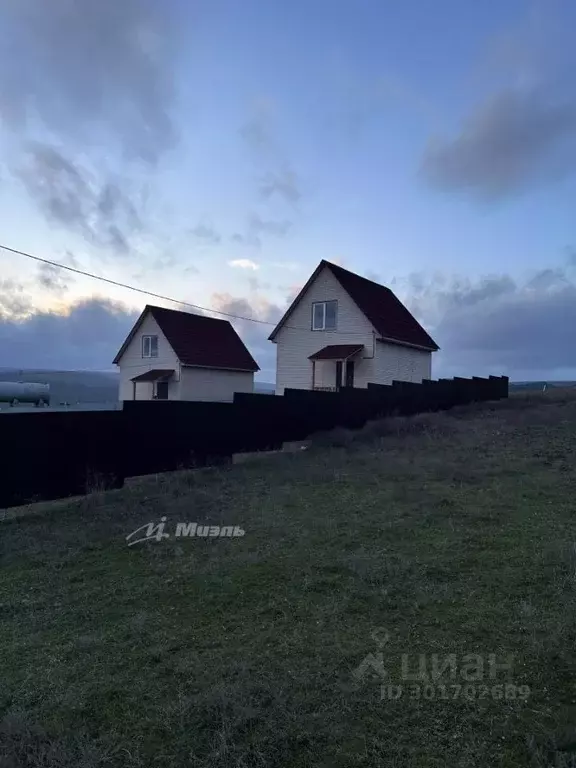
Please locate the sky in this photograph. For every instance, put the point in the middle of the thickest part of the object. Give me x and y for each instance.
(214, 151)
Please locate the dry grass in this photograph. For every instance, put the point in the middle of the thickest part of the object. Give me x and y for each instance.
(454, 532)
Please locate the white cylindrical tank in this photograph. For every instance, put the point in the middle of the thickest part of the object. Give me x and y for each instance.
(24, 392)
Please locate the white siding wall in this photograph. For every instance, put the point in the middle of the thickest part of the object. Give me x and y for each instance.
(293, 368)
(211, 384)
(401, 363)
(132, 364)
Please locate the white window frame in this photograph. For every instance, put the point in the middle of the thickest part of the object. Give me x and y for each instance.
(147, 350)
(323, 305)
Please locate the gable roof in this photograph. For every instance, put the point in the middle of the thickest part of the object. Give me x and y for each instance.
(391, 319)
(198, 340)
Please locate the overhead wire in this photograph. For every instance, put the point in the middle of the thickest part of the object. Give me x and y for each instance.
(145, 292)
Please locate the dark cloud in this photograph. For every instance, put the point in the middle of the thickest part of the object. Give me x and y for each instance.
(494, 325)
(257, 227)
(498, 325)
(87, 336)
(95, 77)
(519, 138)
(85, 66)
(68, 194)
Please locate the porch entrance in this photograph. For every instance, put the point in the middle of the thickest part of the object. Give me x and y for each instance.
(157, 383)
(349, 379)
(333, 366)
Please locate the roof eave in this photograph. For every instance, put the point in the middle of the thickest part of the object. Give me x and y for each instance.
(130, 336)
(351, 353)
(296, 301)
(255, 369)
(388, 340)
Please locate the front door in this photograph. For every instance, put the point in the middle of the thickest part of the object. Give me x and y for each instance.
(338, 374)
(349, 373)
(162, 390)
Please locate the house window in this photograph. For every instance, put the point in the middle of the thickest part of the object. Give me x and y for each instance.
(149, 346)
(324, 315)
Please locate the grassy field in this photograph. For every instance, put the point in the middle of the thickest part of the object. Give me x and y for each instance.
(447, 534)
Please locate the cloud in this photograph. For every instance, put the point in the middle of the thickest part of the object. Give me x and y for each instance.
(254, 335)
(283, 184)
(206, 233)
(53, 279)
(86, 336)
(257, 227)
(85, 67)
(498, 325)
(69, 195)
(243, 264)
(93, 89)
(14, 301)
(519, 138)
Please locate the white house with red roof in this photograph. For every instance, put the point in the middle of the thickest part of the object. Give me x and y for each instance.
(345, 330)
(171, 355)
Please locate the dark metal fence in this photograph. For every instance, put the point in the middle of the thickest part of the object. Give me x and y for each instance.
(53, 455)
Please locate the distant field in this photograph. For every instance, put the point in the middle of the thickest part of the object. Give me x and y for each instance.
(82, 390)
(5, 408)
(441, 534)
(70, 386)
(539, 385)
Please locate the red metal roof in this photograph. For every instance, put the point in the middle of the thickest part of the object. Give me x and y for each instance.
(336, 352)
(383, 309)
(198, 340)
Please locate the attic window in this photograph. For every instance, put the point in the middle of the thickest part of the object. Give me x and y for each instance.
(324, 315)
(149, 346)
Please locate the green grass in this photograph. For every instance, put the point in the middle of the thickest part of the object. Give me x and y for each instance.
(454, 533)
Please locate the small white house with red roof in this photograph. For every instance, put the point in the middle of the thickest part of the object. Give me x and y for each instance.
(171, 355)
(345, 330)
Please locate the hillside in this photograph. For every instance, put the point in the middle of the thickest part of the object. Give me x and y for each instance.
(70, 386)
(445, 534)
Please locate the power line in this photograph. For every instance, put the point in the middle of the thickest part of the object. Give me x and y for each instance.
(108, 280)
(131, 287)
